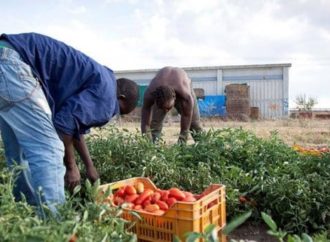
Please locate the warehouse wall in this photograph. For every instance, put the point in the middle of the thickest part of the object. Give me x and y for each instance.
(268, 83)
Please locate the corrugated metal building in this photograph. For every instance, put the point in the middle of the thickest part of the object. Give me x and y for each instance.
(269, 84)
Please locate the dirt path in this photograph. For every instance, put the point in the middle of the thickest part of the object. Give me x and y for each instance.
(251, 233)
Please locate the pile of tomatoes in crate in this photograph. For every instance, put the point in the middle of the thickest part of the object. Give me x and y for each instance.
(158, 201)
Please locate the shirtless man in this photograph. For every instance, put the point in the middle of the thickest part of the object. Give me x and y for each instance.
(171, 87)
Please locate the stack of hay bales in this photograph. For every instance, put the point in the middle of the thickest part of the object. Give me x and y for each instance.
(238, 101)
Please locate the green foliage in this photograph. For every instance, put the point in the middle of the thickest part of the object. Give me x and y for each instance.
(284, 236)
(293, 188)
(79, 217)
(209, 235)
(235, 223)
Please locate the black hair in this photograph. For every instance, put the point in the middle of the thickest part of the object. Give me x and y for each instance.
(130, 90)
(163, 94)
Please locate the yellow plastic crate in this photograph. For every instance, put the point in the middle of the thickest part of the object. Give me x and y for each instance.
(181, 218)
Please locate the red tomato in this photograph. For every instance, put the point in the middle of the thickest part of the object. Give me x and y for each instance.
(162, 205)
(137, 207)
(188, 194)
(130, 190)
(151, 208)
(120, 192)
(177, 194)
(131, 198)
(155, 197)
(118, 201)
(143, 196)
(189, 199)
(242, 199)
(171, 201)
(165, 195)
(73, 238)
(146, 202)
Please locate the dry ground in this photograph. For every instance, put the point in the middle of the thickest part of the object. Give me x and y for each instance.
(304, 132)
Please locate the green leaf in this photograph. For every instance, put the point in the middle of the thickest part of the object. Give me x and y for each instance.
(31, 238)
(136, 214)
(176, 239)
(213, 237)
(133, 238)
(97, 183)
(269, 221)
(193, 236)
(88, 185)
(274, 233)
(85, 216)
(291, 239)
(236, 222)
(306, 238)
(209, 229)
(296, 238)
(76, 190)
(105, 237)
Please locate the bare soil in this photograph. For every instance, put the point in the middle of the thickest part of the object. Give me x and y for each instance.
(249, 232)
(305, 132)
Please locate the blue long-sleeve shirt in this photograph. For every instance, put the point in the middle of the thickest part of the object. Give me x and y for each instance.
(81, 92)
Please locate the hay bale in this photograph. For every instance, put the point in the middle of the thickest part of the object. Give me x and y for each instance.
(236, 106)
(254, 113)
(238, 101)
(237, 91)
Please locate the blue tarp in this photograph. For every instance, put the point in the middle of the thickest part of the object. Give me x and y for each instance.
(212, 106)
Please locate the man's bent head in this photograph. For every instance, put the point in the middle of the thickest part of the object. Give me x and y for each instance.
(127, 94)
(164, 97)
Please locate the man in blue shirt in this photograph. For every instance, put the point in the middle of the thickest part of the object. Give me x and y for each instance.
(52, 93)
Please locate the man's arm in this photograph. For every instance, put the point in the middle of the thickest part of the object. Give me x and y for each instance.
(72, 175)
(186, 115)
(83, 152)
(146, 115)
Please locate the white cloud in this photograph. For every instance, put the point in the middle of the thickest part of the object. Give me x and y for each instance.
(122, 1)
(78, 10)
(194, 6)
(155, 33)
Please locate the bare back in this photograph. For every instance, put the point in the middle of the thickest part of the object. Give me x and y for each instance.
(173, 77)
(177, 79)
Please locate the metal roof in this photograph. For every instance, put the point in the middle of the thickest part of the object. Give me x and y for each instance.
(213, 67)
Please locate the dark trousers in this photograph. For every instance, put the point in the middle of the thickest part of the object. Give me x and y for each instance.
(158, 116)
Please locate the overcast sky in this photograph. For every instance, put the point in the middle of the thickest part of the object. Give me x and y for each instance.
(140, 34)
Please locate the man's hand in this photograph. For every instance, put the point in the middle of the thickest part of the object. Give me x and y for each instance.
(148, 133)
(183, 137)
(92, 174)
(72, 177)
(82, 149)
